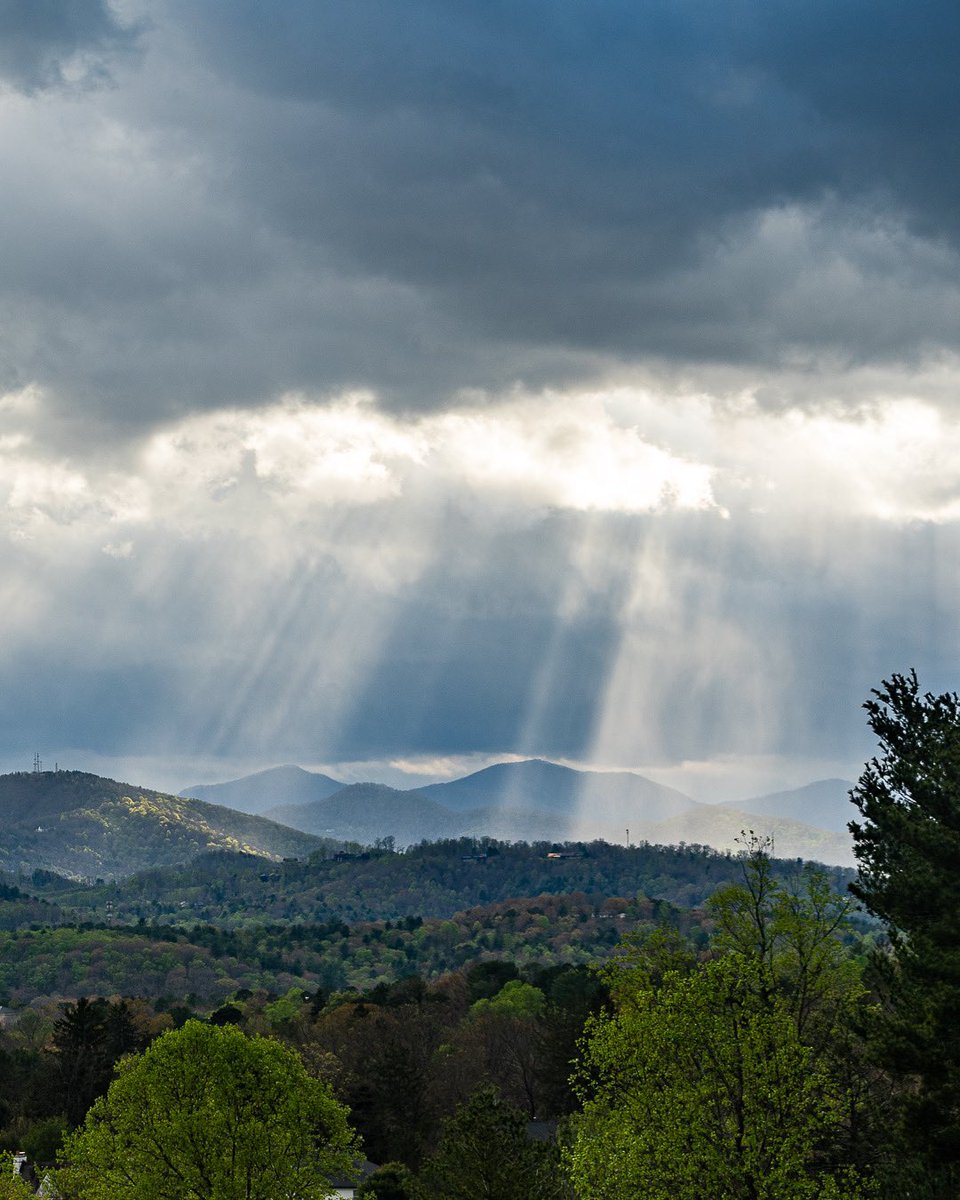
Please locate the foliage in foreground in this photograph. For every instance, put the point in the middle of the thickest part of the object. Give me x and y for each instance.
(208, 1113)
(720, 1078)
(485, 1154)
(12, 1187)
(704, 1089)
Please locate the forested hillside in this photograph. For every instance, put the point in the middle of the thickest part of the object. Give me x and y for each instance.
(232, 920)
(208, 964)
(88, 827)
(432, 879)
(532, 800)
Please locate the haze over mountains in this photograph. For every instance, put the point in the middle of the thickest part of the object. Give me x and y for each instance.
(825, 803)
(87, 827)
(265, 789)
(539, 800)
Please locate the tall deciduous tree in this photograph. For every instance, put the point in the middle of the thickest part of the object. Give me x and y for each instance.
(908, 846)
(789, 930)
(700, 1087)
(206, 1113)
(720, 1078)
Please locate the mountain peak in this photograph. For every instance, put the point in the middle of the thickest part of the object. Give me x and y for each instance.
(271, 788)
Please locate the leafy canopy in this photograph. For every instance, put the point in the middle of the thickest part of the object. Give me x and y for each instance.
(206, 1113)
(12, 1187)
(702, 1087)
(484, 1154)
(711, 1078)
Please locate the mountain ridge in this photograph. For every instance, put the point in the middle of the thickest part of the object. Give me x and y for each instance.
(88, 826)
(534, 799)
(364, 812)
(824, 803)
(246, 793)
(539, 784)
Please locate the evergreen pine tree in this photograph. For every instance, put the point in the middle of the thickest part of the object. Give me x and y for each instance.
(908, 847)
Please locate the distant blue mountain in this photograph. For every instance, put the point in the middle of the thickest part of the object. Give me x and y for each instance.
(825, 803)
(535, 800)
(267, 789)
(363, 812)
(537, 785)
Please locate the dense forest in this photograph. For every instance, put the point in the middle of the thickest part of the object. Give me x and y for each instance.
(480, 1041)
(228, 921)
(433, 879)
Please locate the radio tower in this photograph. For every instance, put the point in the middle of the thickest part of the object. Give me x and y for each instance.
(37, 764)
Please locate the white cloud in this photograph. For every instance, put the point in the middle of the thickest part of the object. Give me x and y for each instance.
(628, 450)
(660, 572)
(893, 462)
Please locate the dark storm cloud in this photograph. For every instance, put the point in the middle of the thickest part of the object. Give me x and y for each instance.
(42, 40)
(564, 174)
(444, 196)
(882, 78)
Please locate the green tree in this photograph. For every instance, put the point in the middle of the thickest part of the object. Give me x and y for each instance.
(507, 1033)
(485, 1154)
(206, 1113)
(701, 1086)
(392, 1181)
(907, 844)
(79, 1041)
(42, 1141)
(386, 1055)
(573, 994)
(732, 1077)
(789, 930)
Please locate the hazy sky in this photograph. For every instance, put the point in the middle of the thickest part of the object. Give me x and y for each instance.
(397, 386)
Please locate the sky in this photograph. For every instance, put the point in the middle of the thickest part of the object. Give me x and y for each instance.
(398, 388)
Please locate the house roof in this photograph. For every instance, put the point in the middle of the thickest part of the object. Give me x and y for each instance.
(361, 1171)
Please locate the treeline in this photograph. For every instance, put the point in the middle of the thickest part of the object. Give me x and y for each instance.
(207, 962)
(400, 1055)
(434, 879)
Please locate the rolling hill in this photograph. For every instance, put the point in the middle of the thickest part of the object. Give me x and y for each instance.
(529, 800)
(87, 827)
(364, 812)
(266, 790)
(536, 800)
